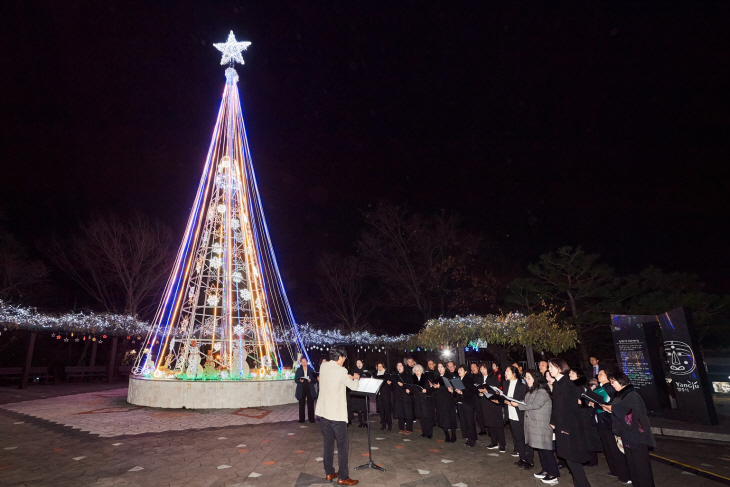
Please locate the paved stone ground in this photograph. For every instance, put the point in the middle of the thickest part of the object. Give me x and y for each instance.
(95, 439)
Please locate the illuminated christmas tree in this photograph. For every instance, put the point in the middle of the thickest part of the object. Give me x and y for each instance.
(224, 301)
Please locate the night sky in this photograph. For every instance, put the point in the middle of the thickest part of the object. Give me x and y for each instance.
(543, 124)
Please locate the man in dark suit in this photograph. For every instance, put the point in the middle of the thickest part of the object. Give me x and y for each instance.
(306, 379)
(592, 371)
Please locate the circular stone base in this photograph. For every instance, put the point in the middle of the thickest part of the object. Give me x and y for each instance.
(219, 394)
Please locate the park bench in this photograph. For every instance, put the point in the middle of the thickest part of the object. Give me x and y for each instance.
(85, 372)
(35, 373)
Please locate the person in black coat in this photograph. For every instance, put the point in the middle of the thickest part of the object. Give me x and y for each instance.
(492, 411)
(631, 424)
(514, 388)
(445, 405)
(465, 401)
(402, 401)
(358, 404)
(569, 435)
(587, 417)
(481, 381)
(475, 377)
(384, 399)
(306, 393)
(423, 403)
(430, 370)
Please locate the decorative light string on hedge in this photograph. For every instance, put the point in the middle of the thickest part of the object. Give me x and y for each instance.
(89, 323)
(542, 331)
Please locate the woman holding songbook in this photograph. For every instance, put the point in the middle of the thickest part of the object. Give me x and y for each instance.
(423, 403)
(538, 408)
(402, 401)
(515, 389)
(358, 404)
(570, 438)
(445, 405)
(492, 410)
(631, 424)
(385, 397)
(465, 400)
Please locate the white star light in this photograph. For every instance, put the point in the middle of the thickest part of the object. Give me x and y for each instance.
(231, 49)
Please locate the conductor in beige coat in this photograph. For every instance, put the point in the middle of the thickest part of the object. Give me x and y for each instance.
(332, 411)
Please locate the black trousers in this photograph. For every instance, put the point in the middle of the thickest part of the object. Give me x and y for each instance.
(309, 401)
(480, 418)
(405, 424)
(385, 409)
(579, 475)
(639, 464)
(616, 460)
(468, 425)
(426, 426)
(518, 433)
(496, 434)
(335, 431)
(548, 462)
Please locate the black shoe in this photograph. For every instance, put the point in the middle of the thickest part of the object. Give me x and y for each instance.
(301, 420)
(390, 427)
(470, 444)
(550, 480)
(423, 435)
(492, 446)
(429, 436)
(540, 475)
(520, 464)
(528, 466)
(453, 438)
(311, 421)
(482, 433)
(382, 427)
(502, 450)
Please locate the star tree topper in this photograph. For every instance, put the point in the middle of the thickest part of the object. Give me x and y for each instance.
(231, 49)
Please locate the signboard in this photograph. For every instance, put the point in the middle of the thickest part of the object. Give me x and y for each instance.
(686, 368)
(636, 351)
(632, 354)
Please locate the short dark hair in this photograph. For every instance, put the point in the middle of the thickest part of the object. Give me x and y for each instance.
(514, 370)
(560, 364)
(450, 362)
(462, 366)
(379, 362)
(336, 353)
(620, 377)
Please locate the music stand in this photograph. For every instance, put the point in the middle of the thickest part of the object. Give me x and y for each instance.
(367, 395)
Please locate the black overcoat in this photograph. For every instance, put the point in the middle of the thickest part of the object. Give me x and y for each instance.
(570, 437)
(445, 405)
(402, 401)
(630, 420)
(423, 404)
(492, 413)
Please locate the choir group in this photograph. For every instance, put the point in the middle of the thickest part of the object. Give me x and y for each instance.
(554, 411)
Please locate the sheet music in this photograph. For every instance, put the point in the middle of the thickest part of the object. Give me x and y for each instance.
(369, 385)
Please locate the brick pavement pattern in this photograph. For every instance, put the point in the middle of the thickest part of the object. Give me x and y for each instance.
(97, 439)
